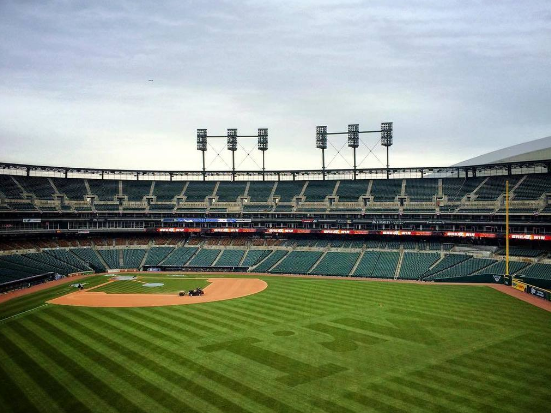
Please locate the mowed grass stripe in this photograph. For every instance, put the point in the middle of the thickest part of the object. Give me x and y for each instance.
(189, 315)
(16, 390)
(143, 361)
(43, 378)
(153, 396)
(142, 339)
(155, 320)
(436, 389)
(493, 379)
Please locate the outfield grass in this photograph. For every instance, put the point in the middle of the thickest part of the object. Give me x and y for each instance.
(301, 345)
(172, 285)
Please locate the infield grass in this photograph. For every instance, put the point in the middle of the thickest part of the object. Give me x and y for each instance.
(301, 345)
(171, 285)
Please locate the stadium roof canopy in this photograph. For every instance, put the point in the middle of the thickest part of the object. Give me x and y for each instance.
(537, 150)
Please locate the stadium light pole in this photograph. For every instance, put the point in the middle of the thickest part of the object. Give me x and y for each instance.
(321, 143)
(507, 228)
(263, 146)
(202, 146)
(232, 146)
(387, 141)
(354, 140)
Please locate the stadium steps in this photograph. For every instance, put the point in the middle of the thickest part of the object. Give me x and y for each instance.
(246, 192)
(512, 190)
(318, 261)
(103, 262)
(147, 249)
(87, 185)
(440, 188)
(53, 186)
(271, 199)
(353, 270)
(451, 267)
(480, 186)
(336, 188)
(403, 191)
(303, 189)
(79, 260)
(399, 266)
(120, 188)
(215, 189)
(275, 263)
(18, 185)
(121, 259)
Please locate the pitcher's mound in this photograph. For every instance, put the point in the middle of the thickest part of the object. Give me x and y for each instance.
(219, 289)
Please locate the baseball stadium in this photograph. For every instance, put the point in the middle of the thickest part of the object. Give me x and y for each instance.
(305, 206)
(350, 290)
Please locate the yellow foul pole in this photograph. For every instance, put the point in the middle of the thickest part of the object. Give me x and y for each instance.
(507, 228)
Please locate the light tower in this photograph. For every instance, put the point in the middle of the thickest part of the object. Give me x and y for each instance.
(232, 146)
(263, 145)
(202, 146)
(354, 140)
(386, 140)
(321, 143)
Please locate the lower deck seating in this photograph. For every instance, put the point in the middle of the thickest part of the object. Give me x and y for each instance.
(336, 263)
(297, 262)
(180, 256)
(415, 264)
(230, 258)
(156, 254)
(132, 258)
(377, 264)
(205, 258)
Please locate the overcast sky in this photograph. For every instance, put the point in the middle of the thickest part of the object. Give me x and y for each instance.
(457, 78)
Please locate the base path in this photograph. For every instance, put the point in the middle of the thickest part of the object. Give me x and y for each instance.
(219, 289)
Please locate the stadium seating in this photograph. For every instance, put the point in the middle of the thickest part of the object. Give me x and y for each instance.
(230, 191)
(533, 187)
(260, 191)
(317, 191)
(69, 258)
(111, 257)
(104, 189)
(204, 258)
(180, 256)
(9, 189)
(462, 269)
(498, 268)
(421, 190)
(455, 188)
(136, 190)
(166, 191)
(198, 191)
(494, 187)
(229, 258)
(336, 263)
(350, 191)
(415, 264)
(74, 189)
(270, 261)
(538, 271)
(132, 258)
(89, 256)
(287, 190)
(447, 262)
(297, 262)
(253, 257)
(39, 187)
(157, 254)
(386, 190)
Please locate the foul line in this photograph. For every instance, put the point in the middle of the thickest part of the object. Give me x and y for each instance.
(23, 312)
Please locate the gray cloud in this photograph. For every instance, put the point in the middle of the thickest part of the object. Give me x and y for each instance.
(458, 78)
